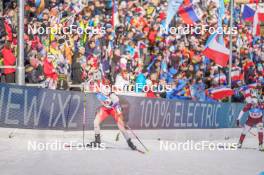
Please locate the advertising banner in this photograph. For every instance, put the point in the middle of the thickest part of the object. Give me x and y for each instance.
(25, 107)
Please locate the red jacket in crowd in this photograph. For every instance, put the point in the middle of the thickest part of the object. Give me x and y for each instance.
(49, 70)
(9, 60)
(8, 31)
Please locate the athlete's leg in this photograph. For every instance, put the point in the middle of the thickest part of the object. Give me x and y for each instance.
(101, 115)
(243, 134)
(121, 126)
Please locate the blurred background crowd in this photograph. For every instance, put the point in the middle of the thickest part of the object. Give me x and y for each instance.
(130, 50)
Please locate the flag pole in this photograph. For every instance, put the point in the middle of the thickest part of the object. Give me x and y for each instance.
(230, 44)
(20, 72)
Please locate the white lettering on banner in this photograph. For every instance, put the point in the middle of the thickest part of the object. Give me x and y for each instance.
(33, 109)
(195, 123)
(71, 124)
(62, 107)
(177, 114)
(52, 110)
(190, 114)
(14, 106)
(209, 112)
(182, 116)
(216, 112)
(202, 115)
(142, 104)
(165, 113)
(157, 113)
(148, 108)
(155, 120)
(2, 100)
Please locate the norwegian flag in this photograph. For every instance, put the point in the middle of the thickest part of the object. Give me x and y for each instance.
(220, 92)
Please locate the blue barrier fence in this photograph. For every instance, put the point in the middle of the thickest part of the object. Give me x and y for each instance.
(25, 107)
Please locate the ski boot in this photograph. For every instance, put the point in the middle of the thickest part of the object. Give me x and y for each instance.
(131, 145)
(96, 142)
(261, 147)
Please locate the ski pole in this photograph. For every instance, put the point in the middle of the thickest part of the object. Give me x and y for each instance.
(137, 138)
(12, 134)
(117, 136)
(252, 133)
(84, 110)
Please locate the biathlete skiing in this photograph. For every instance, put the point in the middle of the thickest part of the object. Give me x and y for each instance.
(255, 109)
(110, 106)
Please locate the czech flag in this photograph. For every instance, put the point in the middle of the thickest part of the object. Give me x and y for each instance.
(217, 52)
(190, 14)
(220, 78)
(258, 30)
(236, 74)
(245, 90)
(220, 93)
(248, 13)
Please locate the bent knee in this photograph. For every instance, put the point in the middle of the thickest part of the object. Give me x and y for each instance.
(259, 126)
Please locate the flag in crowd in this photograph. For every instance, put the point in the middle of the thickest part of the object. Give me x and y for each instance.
(258, 21)
(190, 14)
(173, 7)
(217, 52)
(236, 74)
(248, 13)
(115, 20)
(40, 5)
(246, 90)
(220, 92)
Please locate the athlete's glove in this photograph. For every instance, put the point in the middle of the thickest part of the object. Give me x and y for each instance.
(237, 123)
(118, 108)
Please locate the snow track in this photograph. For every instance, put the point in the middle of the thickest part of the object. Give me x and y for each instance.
(17, 159)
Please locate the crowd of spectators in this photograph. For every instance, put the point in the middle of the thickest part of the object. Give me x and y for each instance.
(127, 48)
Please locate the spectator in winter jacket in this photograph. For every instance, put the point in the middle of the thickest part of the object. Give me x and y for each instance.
(2, 33)
(50, 72)
(34, 72)
(9, 60)
(198, 90)
(76, 68)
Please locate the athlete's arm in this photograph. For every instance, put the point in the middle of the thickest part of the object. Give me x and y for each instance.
(245, 109)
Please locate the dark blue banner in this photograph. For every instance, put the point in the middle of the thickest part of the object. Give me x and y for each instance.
(25, 107)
